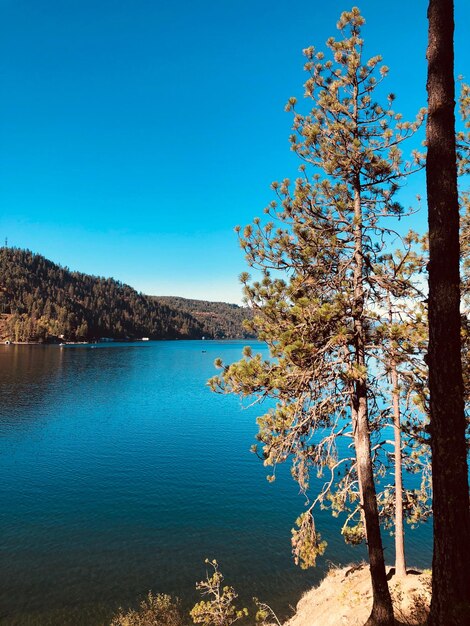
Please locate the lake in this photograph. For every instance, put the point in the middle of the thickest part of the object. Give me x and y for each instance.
(121, 472)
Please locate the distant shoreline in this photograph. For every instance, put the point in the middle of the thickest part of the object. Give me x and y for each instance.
(103, 343)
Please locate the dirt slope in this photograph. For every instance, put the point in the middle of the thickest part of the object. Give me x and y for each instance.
(344, 598)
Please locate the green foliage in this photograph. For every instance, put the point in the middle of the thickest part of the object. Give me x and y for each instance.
(265, 616)
(354, 535)
(402, 336)
(218, 320)
(220, 609)
(155, 610)
(463, 154)
(307, 544)
(318, 303)
(40, 301)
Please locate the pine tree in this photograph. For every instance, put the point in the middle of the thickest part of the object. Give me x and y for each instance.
(402, 343)
(314, 305)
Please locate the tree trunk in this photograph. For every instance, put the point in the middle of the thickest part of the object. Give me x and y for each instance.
(382, 609)
(450, 604)
(400, 563)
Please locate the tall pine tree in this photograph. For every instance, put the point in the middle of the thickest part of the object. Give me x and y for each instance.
(314, 305)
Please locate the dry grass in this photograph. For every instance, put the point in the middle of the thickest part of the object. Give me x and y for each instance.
(344, 598)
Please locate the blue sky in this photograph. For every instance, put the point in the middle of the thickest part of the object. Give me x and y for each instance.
(136, 134)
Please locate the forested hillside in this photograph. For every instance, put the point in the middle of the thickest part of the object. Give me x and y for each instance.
(219, 319)
(42, 301)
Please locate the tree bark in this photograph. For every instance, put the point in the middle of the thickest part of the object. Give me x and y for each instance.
(382, 609)
(450, 604)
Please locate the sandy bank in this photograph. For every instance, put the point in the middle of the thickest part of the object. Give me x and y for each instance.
(344, 598)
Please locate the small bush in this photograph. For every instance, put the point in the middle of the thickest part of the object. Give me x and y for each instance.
(155, 610)
(220, 609)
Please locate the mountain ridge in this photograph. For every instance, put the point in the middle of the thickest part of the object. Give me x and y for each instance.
(42, 301)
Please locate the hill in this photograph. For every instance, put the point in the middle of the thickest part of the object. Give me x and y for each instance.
(42, 301)
(218, 319)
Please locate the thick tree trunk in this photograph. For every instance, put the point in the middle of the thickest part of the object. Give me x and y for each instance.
(450, 603)
(382, 609)
(400, 563)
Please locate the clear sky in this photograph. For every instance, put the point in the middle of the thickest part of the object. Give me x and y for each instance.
(135, 134)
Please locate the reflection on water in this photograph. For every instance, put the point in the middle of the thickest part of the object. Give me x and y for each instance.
(121, 472)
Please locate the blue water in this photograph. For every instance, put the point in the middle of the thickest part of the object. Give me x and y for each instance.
(121, 472)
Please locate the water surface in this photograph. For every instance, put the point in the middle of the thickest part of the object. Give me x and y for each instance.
(121, 472)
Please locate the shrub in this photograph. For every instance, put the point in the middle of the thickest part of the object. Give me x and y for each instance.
(155, 610)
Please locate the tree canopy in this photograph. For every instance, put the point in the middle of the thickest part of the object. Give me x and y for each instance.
(319, 303)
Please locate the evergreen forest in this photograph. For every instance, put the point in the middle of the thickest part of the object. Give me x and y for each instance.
(41, 301)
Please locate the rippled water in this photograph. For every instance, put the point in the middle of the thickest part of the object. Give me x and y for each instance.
(120, 472)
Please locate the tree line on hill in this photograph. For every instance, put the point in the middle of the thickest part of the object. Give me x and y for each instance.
(218, 319)
(41, 301)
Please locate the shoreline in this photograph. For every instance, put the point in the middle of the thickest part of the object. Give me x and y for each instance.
(113, 341)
